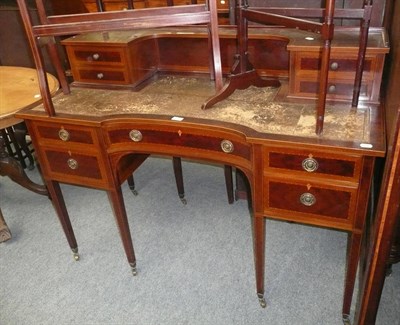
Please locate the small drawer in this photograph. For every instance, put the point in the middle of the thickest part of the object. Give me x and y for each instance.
(336, 89)
(74, 168)
(101, 75)
(95, 55)
(308, 199)
(309, 163)
(73, 164)
(65, 133)
(337, 64)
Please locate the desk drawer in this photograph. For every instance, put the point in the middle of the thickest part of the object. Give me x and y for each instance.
(74, 167)
(338, 64)
(83, 55)
(64, 133)
(336, 89)
(101, 75)
(306, 200)
(307, 163)
(168, 139)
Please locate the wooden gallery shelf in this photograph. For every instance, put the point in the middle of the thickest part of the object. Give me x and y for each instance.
(126, 59)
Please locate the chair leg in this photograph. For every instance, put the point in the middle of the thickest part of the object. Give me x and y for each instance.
(20, 133)
(229, 183)
(131, 184)
(177, 164)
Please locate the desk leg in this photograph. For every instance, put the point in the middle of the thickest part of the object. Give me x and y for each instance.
(59, 205)
(117, 203)
(259, 256)
(353, 256)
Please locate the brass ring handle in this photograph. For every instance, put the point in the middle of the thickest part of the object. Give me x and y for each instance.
(63, 135)
(310, 165)
(227, 146)
(307, 199)
(72, 163)
(136, 135)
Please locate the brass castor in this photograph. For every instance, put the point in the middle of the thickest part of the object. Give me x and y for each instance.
(261, 300)
(182, 197)
(134, 192)
(75, 254)
(133, 268)
(346, 319)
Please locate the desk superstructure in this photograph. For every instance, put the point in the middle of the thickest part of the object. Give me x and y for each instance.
(99, 137)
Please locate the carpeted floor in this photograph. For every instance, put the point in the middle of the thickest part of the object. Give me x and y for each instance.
(195, 261)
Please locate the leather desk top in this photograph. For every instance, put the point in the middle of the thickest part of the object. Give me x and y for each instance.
(255, 108)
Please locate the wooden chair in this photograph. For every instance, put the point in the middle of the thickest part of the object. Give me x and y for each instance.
(176, 161)
(244, 75)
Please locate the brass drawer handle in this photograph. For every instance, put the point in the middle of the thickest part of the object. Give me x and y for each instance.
(310, 165)
(100, 75)
(227, 146)
(307, 199)
(63, 135)
(334, 66)
(96, 56)
(72, 163)
(332, 89)
(136, 135)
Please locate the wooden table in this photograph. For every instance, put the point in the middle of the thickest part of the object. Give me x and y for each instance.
(19, 89)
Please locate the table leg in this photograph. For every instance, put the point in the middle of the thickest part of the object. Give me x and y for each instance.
(12, 168)
(5, 233)
(118, 206)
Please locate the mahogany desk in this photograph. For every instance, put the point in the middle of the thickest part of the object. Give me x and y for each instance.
(99, 137)
(19, 89)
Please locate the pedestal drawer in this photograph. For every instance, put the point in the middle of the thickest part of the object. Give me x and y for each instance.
(74, 168)
(65, 134)
(297, 200)
(312, 163)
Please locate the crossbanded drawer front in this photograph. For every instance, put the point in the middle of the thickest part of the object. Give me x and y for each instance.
(65, 133)
(92, 56)
(181, 138)
(310, 163)
(335, 64)
(102, 75)
(73, 164)
(317, 201)
(335, 88)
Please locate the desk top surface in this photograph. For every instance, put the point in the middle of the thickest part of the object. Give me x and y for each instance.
(257, 111)
(19, 88)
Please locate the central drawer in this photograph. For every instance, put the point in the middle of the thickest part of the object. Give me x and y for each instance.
(211, 144)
